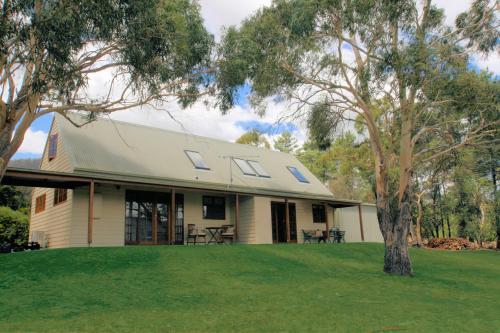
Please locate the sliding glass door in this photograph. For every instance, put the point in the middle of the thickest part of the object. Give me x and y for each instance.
(146, 217)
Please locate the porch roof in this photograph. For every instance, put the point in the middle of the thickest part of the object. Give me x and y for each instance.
(57, 179)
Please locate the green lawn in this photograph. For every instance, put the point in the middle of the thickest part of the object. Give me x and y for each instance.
(265, 288)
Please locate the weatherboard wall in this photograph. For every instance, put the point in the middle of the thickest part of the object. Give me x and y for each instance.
(54, 220)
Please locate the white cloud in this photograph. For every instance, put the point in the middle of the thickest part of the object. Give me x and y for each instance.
(223, 13)
(34, 142)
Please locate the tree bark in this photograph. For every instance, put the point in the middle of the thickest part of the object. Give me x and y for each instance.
(395, 222)
(418, 226)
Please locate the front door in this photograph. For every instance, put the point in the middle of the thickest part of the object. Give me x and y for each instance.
(278, 220)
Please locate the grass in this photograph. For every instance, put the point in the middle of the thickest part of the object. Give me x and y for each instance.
(265, 288)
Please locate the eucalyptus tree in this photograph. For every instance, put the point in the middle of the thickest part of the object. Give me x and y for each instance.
(138, 52)
(286, 143)
(254, 138)
(354, 55)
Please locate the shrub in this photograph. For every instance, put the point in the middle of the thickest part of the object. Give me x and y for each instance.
(14, 227)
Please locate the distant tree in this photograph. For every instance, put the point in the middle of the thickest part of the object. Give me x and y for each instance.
(286, 143)
(345, 166)
(358, 56)
(12, 197)
(50, 50)
(254, 138)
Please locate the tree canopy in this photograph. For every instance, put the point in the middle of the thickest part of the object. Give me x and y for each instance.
(384, 65)
(50, 51)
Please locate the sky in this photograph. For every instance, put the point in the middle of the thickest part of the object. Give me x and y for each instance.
(202, 120)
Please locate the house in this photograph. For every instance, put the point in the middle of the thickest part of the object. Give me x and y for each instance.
(112, 183)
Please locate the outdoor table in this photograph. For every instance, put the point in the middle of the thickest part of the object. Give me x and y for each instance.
(213, 234)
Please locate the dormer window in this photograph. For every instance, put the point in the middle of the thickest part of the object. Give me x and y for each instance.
(244, 167)
(197, 160)
(52, 147)
(300, 177)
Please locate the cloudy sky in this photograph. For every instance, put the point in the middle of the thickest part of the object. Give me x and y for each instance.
(201, 120)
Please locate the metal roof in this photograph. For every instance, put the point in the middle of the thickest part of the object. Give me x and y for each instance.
(116, 150)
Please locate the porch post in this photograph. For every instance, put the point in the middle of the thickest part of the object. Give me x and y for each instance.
(327, 226)
(361, 223)
(287, 220)
(237, 218)
(171, 217)
(91, 212)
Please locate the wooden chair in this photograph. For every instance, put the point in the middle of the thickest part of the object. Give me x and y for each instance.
(227, 234)
(194, 234)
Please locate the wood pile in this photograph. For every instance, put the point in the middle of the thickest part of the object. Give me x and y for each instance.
(454, 244)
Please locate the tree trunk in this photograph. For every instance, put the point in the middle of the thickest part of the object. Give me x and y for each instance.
(418, 226)
(395, 220)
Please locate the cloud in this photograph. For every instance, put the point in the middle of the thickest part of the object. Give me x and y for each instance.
(34, 142)
(224, 13)
(266, 127)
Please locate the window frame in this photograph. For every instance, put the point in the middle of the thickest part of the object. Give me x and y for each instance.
(60, 196)
(316, 207)
(299, 176)
(250, 172)
(205, 213)
(52, 149)
(265, 174)
(205, 167)
(40, 203)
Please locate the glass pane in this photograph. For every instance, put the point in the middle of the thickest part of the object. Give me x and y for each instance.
(300, 177)
(197, 160)
(244, 166)
(162, 222)
(259, 169)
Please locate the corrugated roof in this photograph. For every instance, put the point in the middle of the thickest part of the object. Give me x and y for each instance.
(135, 151)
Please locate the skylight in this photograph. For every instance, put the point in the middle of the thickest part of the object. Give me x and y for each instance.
(300, 177)
(259, 169)
(197, 160)
(244, 166)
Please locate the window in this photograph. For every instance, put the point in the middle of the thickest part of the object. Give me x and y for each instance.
(319, 213)
(60, 195)
(259, 169)
(40, 203)
(300, 177)
(197, 160)
(244, 166)
(214, 208)
(52, 146)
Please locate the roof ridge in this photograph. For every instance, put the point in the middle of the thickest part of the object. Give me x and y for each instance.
(126, 123)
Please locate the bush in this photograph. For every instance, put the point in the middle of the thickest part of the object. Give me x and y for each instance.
(14, 227)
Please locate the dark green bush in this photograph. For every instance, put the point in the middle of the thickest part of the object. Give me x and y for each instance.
(14, 227)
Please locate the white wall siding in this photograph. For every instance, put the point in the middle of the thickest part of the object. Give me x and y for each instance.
(54, 221)
(109, 217)
(246, 231)
(263, 226)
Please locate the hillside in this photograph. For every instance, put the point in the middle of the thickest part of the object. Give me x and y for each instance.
(25, 163)
(267, 288)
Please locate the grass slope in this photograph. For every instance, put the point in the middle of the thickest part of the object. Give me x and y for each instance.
(266, 288)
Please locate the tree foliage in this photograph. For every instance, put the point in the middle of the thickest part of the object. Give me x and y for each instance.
(383, 64)
(154, 50)
(254, 138)
(14, 227)
(286, 143)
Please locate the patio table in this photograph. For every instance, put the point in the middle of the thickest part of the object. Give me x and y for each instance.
(213, 234)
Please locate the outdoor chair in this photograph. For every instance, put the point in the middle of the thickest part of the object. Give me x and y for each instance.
(312, 235)
(194, 235)
(227, 233)
(337, 236)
